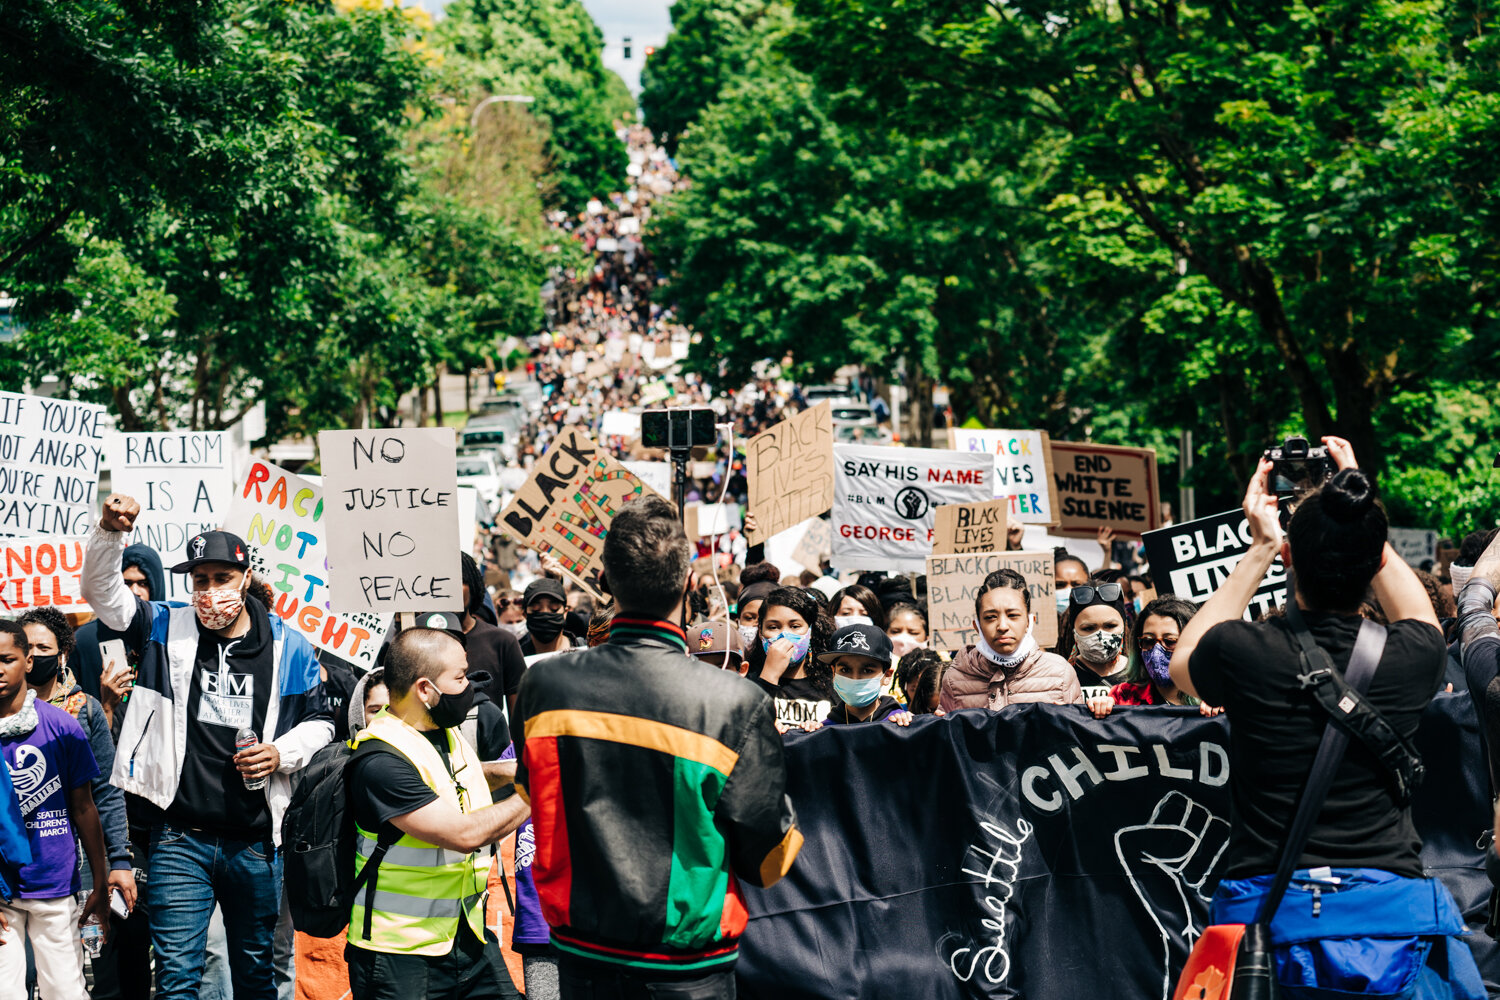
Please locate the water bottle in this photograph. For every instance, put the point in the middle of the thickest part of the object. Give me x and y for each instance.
(244, 740)
(91, 934)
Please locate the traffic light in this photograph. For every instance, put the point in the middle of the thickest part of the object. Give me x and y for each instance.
(627, 47)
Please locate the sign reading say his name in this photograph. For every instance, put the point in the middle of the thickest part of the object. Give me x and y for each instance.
(789, 469)
(1023, 469)
(1105, 486)
(50, 454)
(183, 481)
(885, 501)
(41, 572)
(1193, 560)
(953, 582)
(394, 499)
(565, 508)
(283, 517)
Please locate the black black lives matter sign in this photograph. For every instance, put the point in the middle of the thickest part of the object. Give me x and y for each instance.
(1193, 560)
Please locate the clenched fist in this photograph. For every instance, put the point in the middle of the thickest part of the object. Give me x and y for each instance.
(119, 513)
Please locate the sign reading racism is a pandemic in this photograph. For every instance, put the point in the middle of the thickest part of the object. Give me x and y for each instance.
(50, 454)
(1193, 560)
(1023, 469)
(885, 499)
(1105, 486)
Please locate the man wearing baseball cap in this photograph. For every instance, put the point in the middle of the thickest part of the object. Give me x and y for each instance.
(545, 605)
(207, 672)
(860, 656)
(718, 645)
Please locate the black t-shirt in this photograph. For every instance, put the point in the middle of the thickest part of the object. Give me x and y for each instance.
(1094, 685)
(1275, 727)
(798, 700)
(338, 685)
(495, 651)
(230, 688)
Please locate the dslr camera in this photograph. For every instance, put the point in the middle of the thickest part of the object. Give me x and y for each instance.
(1298, 466)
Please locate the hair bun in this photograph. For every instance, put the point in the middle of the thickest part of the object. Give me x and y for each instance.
(1349, 495)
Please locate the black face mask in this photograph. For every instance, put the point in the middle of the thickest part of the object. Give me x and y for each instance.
(44, 668)
(545, 625)
(452, 709)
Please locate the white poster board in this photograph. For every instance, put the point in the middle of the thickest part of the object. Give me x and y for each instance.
(1023, 469)
(656, 475)
(51, 451)
(41, 572)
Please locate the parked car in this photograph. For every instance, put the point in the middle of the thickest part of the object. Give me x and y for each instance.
(815, 394)
(480, 471)
(847, 414)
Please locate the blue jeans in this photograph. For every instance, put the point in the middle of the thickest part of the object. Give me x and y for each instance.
(189, 871)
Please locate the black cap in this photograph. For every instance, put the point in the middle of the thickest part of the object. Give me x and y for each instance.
(215, 547)
(858, 639)
(443, 621)
(543, 587)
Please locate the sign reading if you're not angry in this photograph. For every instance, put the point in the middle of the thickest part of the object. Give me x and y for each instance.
(394, 510)
(50, 453)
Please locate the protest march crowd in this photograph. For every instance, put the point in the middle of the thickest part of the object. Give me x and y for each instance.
(557, 769)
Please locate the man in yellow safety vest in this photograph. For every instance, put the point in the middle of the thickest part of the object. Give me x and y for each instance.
(422, 811)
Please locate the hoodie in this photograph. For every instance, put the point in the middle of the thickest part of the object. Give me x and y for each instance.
(86, 661)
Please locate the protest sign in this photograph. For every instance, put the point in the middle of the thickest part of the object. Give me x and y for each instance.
(953, 582)
(183, 481)
(620, 423)
(789, 471)
(282, 516)
(607, 244)
(815, 545)
(50, 454)
(468, 518)
(393, 503)
(656, 475)
(1023, 469)
(565, 508)
(885, 501)
(704, 519)
(971, 527)
(1415, 545)
(41, 572)
(1193, 560)
(1102, 485)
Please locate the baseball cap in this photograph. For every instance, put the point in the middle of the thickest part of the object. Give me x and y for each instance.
(443, 621)
(706, 641)
(543, 587)
(858, 639)
(214, 547)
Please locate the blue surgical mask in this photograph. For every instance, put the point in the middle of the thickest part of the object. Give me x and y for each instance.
(800, 643)
(1158, 664)
(1062, 601)
(857, 694)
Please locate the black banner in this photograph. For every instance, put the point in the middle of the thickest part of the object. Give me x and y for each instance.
(1040, 853)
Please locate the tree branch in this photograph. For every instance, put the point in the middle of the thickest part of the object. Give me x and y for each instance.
(35, 240)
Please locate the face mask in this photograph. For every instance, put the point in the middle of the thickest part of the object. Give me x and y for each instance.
(857, 694)
(544, 626)
(1137, 605)
(44, 668)
(516, 629)
(904, 643)
(1062, 601)
(1098, 647)
(800, 643)
(1159, 664)
(747, 635)
(451, 709)
(839, 621)
(218, 607)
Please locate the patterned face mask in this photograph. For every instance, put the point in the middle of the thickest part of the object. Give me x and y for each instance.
(218, 607)
(1099, 647)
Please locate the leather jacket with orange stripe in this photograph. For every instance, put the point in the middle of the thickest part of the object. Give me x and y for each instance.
(656, 786)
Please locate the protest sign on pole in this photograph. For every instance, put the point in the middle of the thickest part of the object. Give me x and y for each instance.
(789, 471)
(283, 518)
(575, 490)
(1103, 485)
(1193, 560)
(1023, 469)
(393, 501)
(183, 481)
(885, 501)
(41, 572)
(953, 582)
(50, 454)
(971, 527)
(1415, 545)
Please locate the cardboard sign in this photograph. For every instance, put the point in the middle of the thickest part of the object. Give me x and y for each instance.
(789, 470)
(885, 501)
(393, 496)
(656, 475)
(38, 572)
(575, 490)
(50, 454)
(1023, 469)
(953, 582)
(1415, 545)
(183, 481)
(283, 518)
(1102, 485)
(971, 527)
(815, 545)
(620, 423)
(1193, 560)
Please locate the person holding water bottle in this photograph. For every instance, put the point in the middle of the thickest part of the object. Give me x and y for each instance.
(51, 767)
(228, 704)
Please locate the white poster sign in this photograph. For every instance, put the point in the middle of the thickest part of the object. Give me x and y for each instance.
(657, 475)
(1022, 469)
(41, 572)
(50, 454)
(1415, 545)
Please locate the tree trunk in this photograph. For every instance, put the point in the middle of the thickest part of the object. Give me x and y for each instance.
(437, 397)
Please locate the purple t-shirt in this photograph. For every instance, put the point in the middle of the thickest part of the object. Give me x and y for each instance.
(45, 765)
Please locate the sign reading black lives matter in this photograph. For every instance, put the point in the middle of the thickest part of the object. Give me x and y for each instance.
(1193, 560)
(50, 453)
(392, 520)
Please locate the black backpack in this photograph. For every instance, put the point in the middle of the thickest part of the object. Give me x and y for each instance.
(318, 846)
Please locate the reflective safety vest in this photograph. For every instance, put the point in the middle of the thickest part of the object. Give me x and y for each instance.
(421, 890)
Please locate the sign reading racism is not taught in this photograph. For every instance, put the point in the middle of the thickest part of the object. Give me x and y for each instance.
(885, 501)
(1105, 486)
(1193, 560)
(1023, 469)
(789, 470)
(50, 454)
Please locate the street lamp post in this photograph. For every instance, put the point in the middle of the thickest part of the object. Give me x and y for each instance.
(493, 98)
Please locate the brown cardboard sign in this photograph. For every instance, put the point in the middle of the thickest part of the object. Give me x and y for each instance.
(971, 527)
(953, 582)
(789, 469)
(1104, 485)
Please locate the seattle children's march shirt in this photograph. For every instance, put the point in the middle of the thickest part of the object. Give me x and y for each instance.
(46, 765)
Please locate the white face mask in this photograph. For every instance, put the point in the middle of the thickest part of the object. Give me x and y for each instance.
(748, 635)
(903, 643)
(1099, 647)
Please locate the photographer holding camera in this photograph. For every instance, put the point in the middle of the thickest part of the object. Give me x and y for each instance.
(1359, 915)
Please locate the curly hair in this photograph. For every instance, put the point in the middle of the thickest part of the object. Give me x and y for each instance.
(53, 621)
(1167, 606)
(821, 625)
(919, 675)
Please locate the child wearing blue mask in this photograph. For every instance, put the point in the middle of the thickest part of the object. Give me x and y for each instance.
(860, 656)
(793, 630)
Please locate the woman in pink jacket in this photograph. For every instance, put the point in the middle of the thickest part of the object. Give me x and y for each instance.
(1006, 666)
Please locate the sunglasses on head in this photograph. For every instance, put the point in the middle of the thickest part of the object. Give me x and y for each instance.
(1107, 592)
(506, 602)
(1168, 642)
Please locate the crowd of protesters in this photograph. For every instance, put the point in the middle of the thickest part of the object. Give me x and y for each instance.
(147, 811)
